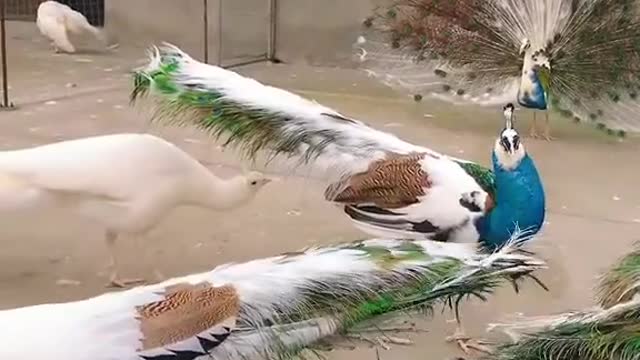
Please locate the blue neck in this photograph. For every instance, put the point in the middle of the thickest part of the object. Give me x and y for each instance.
(536, 96)
(519, 200)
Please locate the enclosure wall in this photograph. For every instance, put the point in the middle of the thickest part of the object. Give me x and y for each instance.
(312, 31)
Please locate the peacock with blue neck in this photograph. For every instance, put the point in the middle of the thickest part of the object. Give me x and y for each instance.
(519, 194)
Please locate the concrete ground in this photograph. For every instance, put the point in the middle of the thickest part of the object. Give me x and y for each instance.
(591, 183)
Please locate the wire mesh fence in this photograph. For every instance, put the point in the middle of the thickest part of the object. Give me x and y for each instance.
(22, 9)
(235, 32)
(26, 10)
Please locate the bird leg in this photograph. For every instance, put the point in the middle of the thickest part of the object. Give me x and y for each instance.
(547, 128)
(465, 342)
(114, 279)
(533, 128)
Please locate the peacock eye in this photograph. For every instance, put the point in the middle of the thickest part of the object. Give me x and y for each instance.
(254, 182)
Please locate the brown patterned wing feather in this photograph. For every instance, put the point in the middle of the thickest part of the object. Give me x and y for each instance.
(186, 311)
(390, 183)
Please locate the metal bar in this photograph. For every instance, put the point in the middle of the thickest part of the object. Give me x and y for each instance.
(273, 20)
(3, 44)
(205, 18)
(219, 32)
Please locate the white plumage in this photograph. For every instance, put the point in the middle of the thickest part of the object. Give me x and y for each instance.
(127, 182)
(333, 146)
(267, 308)
(56, 21)
(577, 57)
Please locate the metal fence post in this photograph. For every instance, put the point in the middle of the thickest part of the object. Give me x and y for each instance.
(273, 19)
(3, 44)
(219, 60)
(205, 19)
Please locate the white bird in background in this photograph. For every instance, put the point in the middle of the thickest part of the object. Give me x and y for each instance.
(126, 182)
(56, 21)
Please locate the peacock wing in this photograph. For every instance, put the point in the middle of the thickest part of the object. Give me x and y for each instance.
(189, 322)
(452, 50)
(395, 182)
(595, 66)
(482, 175)
(416, 195)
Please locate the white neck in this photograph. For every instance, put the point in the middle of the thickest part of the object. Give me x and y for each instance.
(506, 160)
(221, 194)
(529, 62)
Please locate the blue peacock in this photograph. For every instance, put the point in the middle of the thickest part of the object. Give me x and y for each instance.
(388, 187)
(580, 58)
(519, 193)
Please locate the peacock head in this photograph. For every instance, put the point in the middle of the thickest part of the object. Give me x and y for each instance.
(534, 58)
(256, 180)
(508, 149)
(524, 46)
(540, 61)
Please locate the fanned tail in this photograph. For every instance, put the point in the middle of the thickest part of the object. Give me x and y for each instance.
(271, 307)
(257, 117)
(609, 331)
(450, 50)
(470, 52)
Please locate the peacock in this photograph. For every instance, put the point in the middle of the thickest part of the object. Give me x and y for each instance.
(580, 58)
(128, 183)
(610, 330)
(269, 308)
(57, 21)
(388, 187)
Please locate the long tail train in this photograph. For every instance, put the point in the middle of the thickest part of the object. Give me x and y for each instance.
(259, 117)
(271, 307)
(608, 331)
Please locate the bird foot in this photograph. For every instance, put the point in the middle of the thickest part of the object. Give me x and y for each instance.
(116, 282)
(466, 343)
(382, 342)
(548, 137)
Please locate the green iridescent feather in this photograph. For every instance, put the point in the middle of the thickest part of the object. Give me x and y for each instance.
(621, 282)
(482, 175)
(443, 281)
(247, 129)
(611, 331)
(251, 127)
(615, 337)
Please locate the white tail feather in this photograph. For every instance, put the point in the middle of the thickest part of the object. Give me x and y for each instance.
(347, 145)
(281, 306)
